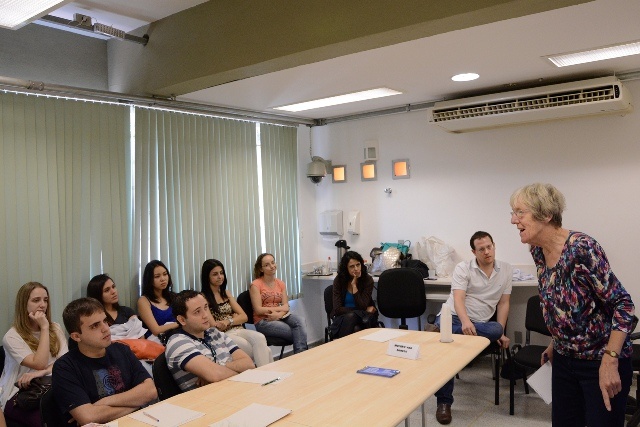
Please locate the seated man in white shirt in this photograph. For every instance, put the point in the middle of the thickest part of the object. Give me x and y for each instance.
(197, 353)
(479, 288)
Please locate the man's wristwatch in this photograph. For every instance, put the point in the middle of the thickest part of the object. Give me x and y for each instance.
(612, 353)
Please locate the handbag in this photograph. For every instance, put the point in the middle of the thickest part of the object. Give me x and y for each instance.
(28, 399)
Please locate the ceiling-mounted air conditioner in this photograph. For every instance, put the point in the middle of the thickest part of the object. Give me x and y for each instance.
(605, 95)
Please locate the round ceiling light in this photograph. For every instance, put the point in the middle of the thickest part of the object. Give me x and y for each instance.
(465, 77)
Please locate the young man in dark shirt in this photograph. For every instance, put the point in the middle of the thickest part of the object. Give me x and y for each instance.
(98, 381)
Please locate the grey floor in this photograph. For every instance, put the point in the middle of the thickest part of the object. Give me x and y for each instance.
(474, 405)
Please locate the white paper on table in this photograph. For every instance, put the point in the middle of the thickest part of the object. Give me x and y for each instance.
(257, 376)
(540, 381)
(384, 335)
(168, 414)
(254, 415)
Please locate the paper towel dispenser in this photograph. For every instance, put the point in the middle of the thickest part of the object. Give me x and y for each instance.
(330, 223)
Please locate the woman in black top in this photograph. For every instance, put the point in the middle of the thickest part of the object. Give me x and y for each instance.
(102, 288)
(353, 305)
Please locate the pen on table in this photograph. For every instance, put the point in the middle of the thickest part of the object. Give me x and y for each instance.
(150, 416)
(272, 381)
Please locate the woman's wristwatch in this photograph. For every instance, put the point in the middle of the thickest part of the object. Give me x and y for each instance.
(230, 321)
(612, 353)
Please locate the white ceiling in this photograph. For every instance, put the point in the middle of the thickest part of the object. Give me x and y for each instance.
(504, 53)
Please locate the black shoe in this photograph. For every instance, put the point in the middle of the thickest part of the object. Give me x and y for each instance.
(443, 413)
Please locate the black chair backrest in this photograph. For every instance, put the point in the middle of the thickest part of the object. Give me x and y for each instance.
(401, 293)
(165, 384)
(534, 319)
(328, 300)
(244, 301)
(49, 411)
(1, 359)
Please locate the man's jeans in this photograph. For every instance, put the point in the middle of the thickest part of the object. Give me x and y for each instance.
(491, 330)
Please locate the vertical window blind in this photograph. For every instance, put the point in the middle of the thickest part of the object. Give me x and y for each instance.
(63, 197)
(197, 196)
(78, 199)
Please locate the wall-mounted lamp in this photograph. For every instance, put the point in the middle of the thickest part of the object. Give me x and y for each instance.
(368, 171)
(401, 169)
(339, 173)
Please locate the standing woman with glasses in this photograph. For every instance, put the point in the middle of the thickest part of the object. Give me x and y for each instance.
(228, 316)
(31, 347)
(154, 306)
(587, 310)
(271, 314)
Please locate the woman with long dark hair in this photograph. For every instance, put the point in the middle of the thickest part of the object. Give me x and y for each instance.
(353, 306)
(228, 316)
(154, 306)
(103, 288)
(31, 347)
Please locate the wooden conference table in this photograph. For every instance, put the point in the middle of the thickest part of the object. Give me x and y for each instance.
(325, 389)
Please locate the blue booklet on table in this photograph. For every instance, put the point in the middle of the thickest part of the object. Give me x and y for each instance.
(381, 372)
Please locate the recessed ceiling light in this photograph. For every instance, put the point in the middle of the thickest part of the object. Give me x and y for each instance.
(340, 99)
(14, 14)
(593, 55)
(465, 77)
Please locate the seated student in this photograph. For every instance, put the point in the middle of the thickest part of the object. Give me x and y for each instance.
(154, 306)
(228, 316)
(98, 381)
(31, 347)
(197, 353)
(103, 288)
(271, 314)
(479, 288)
(353, 306)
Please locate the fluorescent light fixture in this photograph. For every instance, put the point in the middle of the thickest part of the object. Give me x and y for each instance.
(340, 99)
(593, 55)
(465, 77)
(14, 14)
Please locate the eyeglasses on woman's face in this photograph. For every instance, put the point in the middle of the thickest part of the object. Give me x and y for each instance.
(519, 213)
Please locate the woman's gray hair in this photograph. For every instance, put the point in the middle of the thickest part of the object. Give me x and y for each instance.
(543, 200)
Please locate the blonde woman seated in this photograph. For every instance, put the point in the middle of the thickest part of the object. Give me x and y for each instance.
(31, 347)
(271, 313)
(228, 316)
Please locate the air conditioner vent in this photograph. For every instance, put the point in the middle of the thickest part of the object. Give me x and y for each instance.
(597, 96)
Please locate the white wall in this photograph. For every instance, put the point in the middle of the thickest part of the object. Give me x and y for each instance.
(461, 183)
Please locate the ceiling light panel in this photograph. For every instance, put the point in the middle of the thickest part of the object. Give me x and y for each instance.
(593, 55)
(340, 99)
(16, 13)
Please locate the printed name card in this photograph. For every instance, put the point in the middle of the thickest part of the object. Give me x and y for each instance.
(404, 350)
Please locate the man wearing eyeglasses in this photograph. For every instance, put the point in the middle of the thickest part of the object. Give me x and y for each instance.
(480, 288)
(197, 353)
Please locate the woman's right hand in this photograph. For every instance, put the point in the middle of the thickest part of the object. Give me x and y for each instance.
(40, 318)
(547, 355)
(25, 379)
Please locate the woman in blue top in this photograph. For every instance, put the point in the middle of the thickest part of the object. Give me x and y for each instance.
(587, 311)
(353, 306)
(154, 306)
